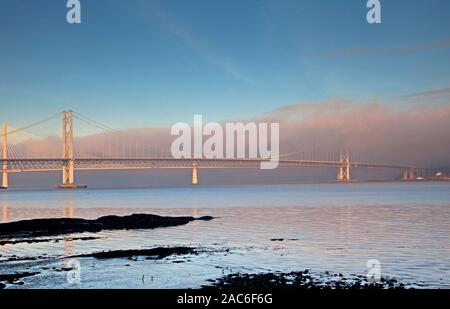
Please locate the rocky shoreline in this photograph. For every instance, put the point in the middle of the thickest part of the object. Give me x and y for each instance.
(29, 231)
(301, 280)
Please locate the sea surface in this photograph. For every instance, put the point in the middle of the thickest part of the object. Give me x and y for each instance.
(322, 227)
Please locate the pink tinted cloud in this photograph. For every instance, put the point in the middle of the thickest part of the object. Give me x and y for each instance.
(373, 132)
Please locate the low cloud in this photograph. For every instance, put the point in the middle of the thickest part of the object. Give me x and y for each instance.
(372, 132)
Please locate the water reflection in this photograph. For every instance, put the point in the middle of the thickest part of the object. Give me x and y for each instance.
(69, 248)
(5, 214)
(5, 219)
(195, 212)
(69, 209)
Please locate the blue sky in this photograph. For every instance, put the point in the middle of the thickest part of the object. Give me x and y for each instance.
(143, 63)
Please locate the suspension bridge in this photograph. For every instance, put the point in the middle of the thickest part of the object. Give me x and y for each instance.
(42, 156)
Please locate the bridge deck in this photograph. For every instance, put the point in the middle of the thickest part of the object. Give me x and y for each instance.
(50, 164)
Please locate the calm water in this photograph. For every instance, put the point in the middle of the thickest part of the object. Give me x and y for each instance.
(335, 227)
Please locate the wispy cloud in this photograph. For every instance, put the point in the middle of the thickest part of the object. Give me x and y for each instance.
(442, 92)
(400, 49)
(181, 31)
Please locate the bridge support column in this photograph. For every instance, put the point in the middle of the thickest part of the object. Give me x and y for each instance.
(409, 174)
(344, 168)
(5, 156)
(194, 174)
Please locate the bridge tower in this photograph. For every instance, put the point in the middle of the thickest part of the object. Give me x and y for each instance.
(344, 167)
(68, 181)
(194, 174)
(5, 156)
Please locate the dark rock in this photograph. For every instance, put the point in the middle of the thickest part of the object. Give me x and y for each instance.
(66, 268)
(60, 226)
(12, 278)
(296, 280)
(153, 253)
(32, 240)
(17, 259)
(205, 218)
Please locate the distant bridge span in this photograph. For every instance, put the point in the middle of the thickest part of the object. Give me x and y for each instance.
(95, 164)
(42, 165)
(68, 164)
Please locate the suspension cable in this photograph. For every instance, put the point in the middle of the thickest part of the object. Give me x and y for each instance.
(31, 125)
(93, 122)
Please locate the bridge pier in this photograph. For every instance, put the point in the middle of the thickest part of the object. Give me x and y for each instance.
(194, 174)
(409, 174)
(5, 183)
(344, 168)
